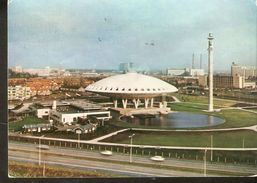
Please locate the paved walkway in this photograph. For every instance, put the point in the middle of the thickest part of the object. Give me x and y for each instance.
(249, 111)
(23, 108)
(175, 99)
(254, 128)
(107, 136)
(237, 101)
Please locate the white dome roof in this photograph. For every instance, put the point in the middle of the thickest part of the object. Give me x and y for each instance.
(131, 83)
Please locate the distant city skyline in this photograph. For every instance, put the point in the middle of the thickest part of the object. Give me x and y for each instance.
(152, 34)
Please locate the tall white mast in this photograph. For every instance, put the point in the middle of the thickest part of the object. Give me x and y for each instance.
(210, 71)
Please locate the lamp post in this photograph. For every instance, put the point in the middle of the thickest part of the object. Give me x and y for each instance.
(39, 150)
(44, 169)
(78, 132)
(131, 139)
(211, 147)
(205, 152)
(244, 142)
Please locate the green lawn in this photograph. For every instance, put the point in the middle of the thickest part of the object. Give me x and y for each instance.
(188, 107)
(204, 100)
(16, 126)
(255, 110)
(233, 118)
(237, 118)
(195, 139)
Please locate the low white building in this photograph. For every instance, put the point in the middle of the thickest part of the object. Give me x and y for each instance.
(196, 72)
(69, 112)
(175, 72)
(69, 117)
(41, 113)
(249, 84)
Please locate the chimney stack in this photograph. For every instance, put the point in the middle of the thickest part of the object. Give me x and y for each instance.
(200, 61)
(193, 61)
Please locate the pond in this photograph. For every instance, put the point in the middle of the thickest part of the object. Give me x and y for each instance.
(175, 120)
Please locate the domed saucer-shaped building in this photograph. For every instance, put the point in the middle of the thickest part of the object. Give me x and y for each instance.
(131, 86)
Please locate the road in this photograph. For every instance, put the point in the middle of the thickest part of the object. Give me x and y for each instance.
(79, 163)
(94, 142)
(118, 163)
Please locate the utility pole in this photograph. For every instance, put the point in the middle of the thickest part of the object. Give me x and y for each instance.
(130, 155)
(244, 142)
(44, 169)
(205, 152)
(200, 61)
(39, 150)
(211, 147)
(78, 132)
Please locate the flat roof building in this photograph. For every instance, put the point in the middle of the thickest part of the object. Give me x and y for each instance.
(67, 112)
(245, 71)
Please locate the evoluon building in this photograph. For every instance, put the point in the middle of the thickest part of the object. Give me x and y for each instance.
(132, 90)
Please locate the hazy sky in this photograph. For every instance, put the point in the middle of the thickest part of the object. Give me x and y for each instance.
(101, 34)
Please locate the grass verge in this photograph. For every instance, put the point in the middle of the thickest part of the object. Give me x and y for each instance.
(228, 139)
(31, 170)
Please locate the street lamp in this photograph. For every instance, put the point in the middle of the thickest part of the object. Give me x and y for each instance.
(78, 132)
(39, 150)
(205, 151)
(211, 147)
(131, 138)
(244, 142)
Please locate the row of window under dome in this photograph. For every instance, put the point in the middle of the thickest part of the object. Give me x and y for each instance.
(126, 89)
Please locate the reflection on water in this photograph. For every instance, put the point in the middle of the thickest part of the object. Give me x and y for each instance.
(176, 120)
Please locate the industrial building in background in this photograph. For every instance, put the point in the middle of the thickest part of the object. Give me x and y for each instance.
(193, 71)
(244, 71)
(126, 67)
(241, 77)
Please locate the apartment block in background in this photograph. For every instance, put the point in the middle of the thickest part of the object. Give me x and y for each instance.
(18, 92)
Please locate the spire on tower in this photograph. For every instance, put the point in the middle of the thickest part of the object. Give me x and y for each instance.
(200, 61)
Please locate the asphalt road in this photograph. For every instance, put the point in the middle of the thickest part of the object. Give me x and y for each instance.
(83, 159)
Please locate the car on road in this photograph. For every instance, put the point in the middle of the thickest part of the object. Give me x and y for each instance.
(43, 147)
(157, 158)
(106, 153)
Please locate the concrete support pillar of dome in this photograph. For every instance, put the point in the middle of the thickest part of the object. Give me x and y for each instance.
(146, 102)
(164, 104)
(136, 102)
(160, 105)
(152, 102)
(124, 102)
(115, 103)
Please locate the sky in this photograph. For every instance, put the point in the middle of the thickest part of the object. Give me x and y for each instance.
(100, 34)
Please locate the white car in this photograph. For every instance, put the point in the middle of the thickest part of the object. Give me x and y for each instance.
(107, 153)
(44, 147)
(157, 158)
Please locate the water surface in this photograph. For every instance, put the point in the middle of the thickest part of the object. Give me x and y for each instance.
(176, 120)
